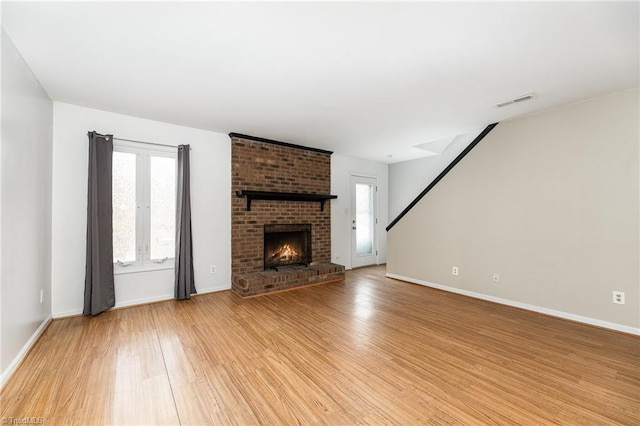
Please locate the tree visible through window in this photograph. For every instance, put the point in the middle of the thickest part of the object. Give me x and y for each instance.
(144, 207)
(163, 207)
(124, 207)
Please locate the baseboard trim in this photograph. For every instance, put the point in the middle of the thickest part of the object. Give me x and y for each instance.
(551, 312)
(144, 301)
(213, 289)
(67, 314)
(11, 368)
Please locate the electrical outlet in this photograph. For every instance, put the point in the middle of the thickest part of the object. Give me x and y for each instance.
(618, 297)
(213, 269)
(496, 278)
(42, 296)
(454, 270)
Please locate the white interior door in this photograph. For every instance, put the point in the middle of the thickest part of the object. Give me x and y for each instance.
(364, 248)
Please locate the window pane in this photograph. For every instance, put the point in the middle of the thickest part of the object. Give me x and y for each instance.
(163, 207)
(364, 219)
(124, 207)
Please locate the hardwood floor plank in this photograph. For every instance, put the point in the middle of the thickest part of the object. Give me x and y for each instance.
(368, 350)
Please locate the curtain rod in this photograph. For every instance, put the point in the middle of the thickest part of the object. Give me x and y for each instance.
(147, 143)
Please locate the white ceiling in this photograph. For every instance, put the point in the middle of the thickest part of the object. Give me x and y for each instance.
(367, 80)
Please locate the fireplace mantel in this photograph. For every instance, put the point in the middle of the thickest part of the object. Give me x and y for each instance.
(284, 196)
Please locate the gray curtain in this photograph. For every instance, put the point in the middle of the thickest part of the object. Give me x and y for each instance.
(99, 293)
(184, 283)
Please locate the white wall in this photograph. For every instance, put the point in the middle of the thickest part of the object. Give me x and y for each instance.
(551, 203)
(210, 202)
(341, 170)
(2, 50)
(408, 179)
(25, 207)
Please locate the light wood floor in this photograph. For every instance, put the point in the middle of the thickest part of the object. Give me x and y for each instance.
(368, 350)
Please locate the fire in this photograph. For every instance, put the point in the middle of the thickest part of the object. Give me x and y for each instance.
(286, 253)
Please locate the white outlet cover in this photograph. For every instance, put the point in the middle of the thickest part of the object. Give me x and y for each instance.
(454, 270)
(618, 297)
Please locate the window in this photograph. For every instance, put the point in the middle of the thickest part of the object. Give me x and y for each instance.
(144, 208)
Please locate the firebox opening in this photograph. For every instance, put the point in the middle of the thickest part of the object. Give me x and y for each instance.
(286, 245)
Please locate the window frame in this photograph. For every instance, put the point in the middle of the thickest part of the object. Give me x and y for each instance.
(143, 153)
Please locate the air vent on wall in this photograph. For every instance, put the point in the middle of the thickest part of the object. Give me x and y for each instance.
(519, 99)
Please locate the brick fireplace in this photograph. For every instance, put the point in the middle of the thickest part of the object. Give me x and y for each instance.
(261, 169)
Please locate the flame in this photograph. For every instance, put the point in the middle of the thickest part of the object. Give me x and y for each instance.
(285, 253)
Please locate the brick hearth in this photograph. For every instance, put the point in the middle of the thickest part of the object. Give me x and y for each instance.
(254, 283)
(262, 165)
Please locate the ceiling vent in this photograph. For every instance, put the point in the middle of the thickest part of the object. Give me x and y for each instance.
(517, 100)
